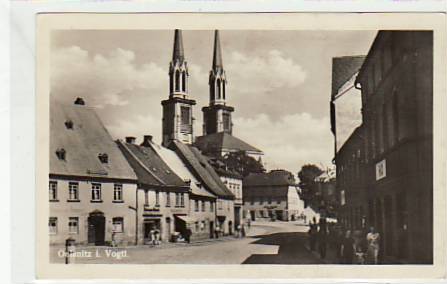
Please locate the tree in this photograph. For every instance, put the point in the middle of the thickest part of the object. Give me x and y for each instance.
(308, 185)
(242, 163)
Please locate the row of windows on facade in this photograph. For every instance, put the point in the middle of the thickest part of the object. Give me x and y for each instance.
(262, 200)
(179, 199)
(73, 225)
(73, 191)
(61, 154)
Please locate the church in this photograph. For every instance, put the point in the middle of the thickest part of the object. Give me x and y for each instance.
(217, 139)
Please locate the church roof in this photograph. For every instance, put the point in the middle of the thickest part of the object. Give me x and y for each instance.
(178, 53)
(343, 68)
(217, 54)
(78, 130)
(203, 171)
(223, 141)
(149, 166)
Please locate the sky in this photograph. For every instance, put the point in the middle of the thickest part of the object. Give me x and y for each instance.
(279, 83)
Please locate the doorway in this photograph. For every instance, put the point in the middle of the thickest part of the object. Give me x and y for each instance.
(148, 227)
(96, 228)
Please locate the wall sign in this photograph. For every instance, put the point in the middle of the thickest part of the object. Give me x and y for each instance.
(381, 170)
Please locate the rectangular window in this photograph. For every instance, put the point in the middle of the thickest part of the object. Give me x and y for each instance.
(73, 225)
(226, 121)
(96, 192)
(73, 191)
(52, 225)
(220, 204)
(197, 226)
(146, 197)
(182, 199)
(118, 192)
(168, 199)
(196, 205)
(118, 224)
(203, 206)
(177, 199)
(53, 190)
(211, 206)
(202, 226)
(157, 198)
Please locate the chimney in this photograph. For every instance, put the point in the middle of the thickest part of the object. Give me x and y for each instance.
(130, 139)
(79, 101)
(147, 139)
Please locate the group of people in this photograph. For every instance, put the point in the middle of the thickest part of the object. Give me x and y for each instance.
(154, 236)
(351, 247)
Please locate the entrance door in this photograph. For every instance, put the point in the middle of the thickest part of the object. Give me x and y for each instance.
(211, 229)
(230, 227)
(96, 228)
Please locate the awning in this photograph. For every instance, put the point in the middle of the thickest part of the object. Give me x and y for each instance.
(186, 219)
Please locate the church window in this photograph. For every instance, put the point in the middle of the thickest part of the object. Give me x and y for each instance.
(177, 81)
(185, 119)
(227, 121)
(223, 89)
(219, 94)
(184, 81)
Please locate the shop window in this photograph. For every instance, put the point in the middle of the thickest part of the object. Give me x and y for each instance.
(118, 224)
(73, 225)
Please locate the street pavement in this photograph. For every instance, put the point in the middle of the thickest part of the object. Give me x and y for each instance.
(265, 243)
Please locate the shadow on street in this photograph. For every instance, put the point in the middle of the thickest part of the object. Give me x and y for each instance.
(291, 250)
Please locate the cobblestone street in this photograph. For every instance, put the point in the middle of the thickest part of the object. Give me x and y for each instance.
(266, 242)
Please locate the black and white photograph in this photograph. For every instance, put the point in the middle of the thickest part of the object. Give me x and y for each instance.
(241, 146)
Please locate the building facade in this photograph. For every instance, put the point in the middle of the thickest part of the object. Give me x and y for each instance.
(91, 185)
(393, 191)
(272, 195)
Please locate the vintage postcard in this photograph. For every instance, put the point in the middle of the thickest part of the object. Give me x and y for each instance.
(240, 145)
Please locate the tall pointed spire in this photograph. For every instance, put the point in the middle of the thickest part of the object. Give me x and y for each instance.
(217, 56)
(178, 53)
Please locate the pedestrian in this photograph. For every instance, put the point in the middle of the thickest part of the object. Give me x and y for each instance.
(347, 248)
(238, 231)
(157, 236)
(188, 234)
(373, 240)
(322, 234)
(113, 239)
(216, 232)
(248, 223)
(243, 231)
(312, 235)
(152, 236)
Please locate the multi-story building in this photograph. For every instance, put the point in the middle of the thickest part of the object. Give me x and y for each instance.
(272, 195)
(91, 184)
(167, 201)
(397, 105)
(206, 175)
(385, 168)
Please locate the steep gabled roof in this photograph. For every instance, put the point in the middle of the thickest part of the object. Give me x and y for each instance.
(78, 130)
(203, 171)
(222, 140)
(343, 68)
(149, 166)
(178, 166)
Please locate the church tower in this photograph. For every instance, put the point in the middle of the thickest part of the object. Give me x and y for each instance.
(177, 109)
(217, 115)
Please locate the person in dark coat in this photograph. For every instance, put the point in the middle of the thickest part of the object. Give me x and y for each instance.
(322, 237)
(347, 248)
(188, 234)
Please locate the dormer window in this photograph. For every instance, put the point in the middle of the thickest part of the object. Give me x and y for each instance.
(104, 158)
(69, 124)
(60, 153)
